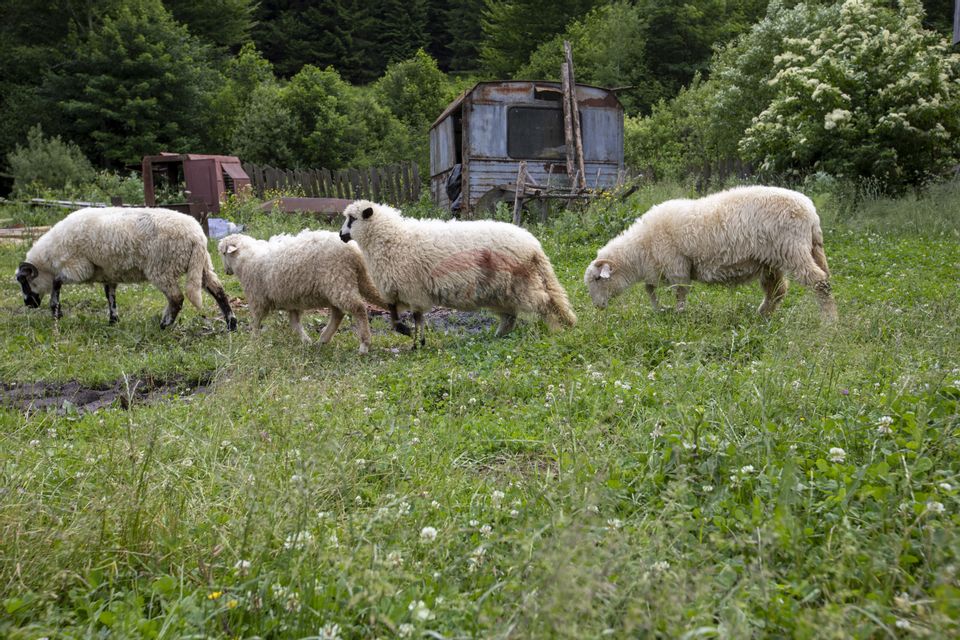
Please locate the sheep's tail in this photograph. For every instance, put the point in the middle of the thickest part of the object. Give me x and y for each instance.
(817, 251)
(559, 311)
(200, 264)
(367, 288)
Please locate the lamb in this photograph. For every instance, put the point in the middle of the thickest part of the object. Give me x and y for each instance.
(119, 244)
(729, 237)
(307, 271)
(417, 264)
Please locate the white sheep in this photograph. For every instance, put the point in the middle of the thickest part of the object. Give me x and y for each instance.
(119, 244)
(417, 264)
(308, 271)
(729, 237)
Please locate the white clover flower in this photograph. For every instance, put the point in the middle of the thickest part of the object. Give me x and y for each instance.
(242, 566)
(652, 376)
(746, 469)
(475, 559)
(329, 631)
(707, 488)
(435, 504)
(405, 630)
(394, 559)
(297, 540)
(360, 462)
(486, 530)
(474, 523)
(403, 508)
(935, 507)
(420, 611)
(34, 443)
(902, 624)
(514, 513)
(614, 523)
(837, 454)
(660, 566)
(323, 515)
(497, 496)
(428, 534)
(333, 540)
(946, 486)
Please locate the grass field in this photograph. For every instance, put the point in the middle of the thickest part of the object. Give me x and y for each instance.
(701, 475)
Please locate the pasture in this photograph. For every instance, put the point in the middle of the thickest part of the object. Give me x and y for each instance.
(709, 474)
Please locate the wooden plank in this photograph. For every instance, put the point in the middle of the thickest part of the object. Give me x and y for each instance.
(567, 118)
(356, 184)
(517, 196)
(326, 188)
(375, 184)
(405, 179)
(397, 184)
(416, 182)
(575, 110)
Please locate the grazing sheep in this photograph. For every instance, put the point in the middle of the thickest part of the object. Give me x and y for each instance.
(417, 264)
(119, 244)
(307, 271)
(728, 237)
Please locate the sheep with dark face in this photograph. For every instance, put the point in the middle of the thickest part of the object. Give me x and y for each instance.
(417, 264)
(310, 270)
(729, 237)
(115, 245)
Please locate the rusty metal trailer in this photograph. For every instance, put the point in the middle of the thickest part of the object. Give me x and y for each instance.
(478, 142)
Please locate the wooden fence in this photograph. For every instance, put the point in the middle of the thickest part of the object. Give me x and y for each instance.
(393, 184)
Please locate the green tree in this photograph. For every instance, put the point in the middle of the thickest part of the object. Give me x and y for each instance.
(513, 30)
(223, 23)
(608, 48)
(243, 75)
(265, 129)
(137, 84)
(461, 34)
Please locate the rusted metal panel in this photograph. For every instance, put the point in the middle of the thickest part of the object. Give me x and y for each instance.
(488, 131)
(443, 153)
(602, 135)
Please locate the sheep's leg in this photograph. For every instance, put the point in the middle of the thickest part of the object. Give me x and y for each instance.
(256, 317)
(174, 304)
(216, 290)
(297, 327)
(336, 317)
(55, 299)
(652, 293)
(681, 293)
(110, 289)
(774, 289)
(809, 274)
(419, 329)
(362, 326)
(398, 326)
(507, 322)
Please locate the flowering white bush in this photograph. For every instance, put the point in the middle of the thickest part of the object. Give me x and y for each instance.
(858, 90)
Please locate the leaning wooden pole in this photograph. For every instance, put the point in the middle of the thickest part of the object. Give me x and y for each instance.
(575, 111)
(568, 141)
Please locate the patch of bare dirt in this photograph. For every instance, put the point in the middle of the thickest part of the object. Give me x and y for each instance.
(30, 397)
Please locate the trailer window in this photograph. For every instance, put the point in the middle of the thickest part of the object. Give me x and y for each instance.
(535, 133)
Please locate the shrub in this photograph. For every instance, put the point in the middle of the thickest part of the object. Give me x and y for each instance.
(47, 164)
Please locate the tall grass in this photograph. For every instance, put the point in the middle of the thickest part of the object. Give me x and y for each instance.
(701, 475)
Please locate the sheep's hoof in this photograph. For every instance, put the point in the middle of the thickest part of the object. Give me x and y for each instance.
(114, 319)
(364, 349)
(232, 324)
(403, 329)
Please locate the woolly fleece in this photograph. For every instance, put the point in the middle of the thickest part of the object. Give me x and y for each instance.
(418, 264)
(311, 270)
(124, 245)
(729, 237)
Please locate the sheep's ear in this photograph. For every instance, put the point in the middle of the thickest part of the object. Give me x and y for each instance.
(605, 270)
(367, 213)
(231, 248)
(26, 271)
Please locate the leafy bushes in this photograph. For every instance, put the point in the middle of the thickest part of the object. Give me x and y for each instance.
(856, 90)
(47, 163)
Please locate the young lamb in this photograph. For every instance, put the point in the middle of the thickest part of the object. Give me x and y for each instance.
(729, 237)
(118, 244)
(417, 264)
(294, 273)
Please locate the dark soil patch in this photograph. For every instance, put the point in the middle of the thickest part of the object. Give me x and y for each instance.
(448, 320)
(31, 397)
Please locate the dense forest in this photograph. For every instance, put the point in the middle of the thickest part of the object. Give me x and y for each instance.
(96, 85)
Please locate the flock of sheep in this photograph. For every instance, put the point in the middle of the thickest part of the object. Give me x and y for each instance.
(397, 263)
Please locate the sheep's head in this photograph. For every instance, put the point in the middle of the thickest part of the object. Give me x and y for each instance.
(355, 212)
(229, 249)
(604, 281)
(33, 284)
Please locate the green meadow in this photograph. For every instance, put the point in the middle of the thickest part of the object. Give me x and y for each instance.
(709, 474)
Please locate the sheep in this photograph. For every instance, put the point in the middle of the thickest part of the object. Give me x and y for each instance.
(116, 245)
(417, 264)
(294, 273)
(729, 237)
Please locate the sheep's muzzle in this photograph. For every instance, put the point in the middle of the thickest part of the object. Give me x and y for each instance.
(345, 236)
